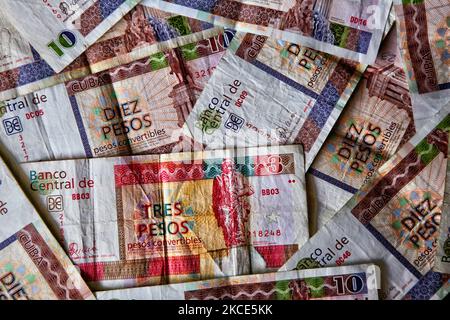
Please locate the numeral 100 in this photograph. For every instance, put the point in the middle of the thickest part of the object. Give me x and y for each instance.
(66, 40)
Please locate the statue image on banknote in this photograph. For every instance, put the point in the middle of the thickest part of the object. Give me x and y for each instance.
(309, 18)
(230, 204)
(138, 30)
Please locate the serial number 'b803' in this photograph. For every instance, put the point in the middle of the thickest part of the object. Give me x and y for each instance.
(80, 196)
(270, 192)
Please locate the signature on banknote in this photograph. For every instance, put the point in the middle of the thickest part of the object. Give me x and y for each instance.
(77, 252)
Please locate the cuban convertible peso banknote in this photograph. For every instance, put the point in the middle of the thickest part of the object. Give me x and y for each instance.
(424, 29)
(145, 31)
(350, 29)
(33, 266)
(337, 283)
(147, 220)
(377, 120)
(133, 108)
(442, 261)
(394, 220)
(267, 91)
(140, 33)
(65, 29)
(22, 70)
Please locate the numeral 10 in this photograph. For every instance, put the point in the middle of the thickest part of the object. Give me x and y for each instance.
(353, 283)
(66, 39)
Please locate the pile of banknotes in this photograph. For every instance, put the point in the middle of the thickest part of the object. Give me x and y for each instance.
(225, 149)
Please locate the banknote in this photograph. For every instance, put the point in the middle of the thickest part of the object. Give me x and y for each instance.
(60, 31)
(377, 120)
(140, 33)
(267, 92)
(424, 28)
(22, 70)
(442, 262)
(394, 220)
(133, 108)
(157, 219)
(359, 282)
(349, 29)
(33, 266)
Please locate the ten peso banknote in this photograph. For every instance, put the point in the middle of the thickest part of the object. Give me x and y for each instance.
(33, 266)
(267, 92)
(132, 108)
(157, 219)
(350, 29)
(60, 31)
(424, 30)
(394, 220)
(140, 33)
(359, 282)
(377, 120)
(442, 261)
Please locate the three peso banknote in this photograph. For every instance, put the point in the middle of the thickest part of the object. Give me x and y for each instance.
(33, 265)
(157, 219)
(394, 220)
(336, 283)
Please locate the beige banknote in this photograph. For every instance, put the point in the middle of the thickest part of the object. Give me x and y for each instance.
(423, 30)
(133, 108)
(267, 92)
(393, 220)
(140, 33)
(442, 261)
(377, 120)
(33, 266)
(350, 29)
(60, 31)
(359, 282)
(22, 70)
(157, 219)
